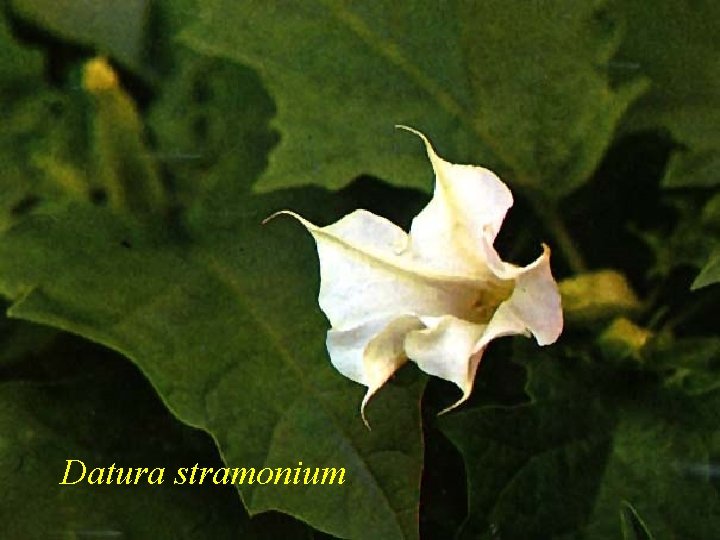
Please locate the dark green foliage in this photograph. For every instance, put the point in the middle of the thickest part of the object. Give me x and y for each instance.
(131, 212)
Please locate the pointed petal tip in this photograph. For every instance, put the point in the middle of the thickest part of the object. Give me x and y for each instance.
(411, 130)
(364, 403)
(428, 145)
(308, 225)
(546, 249)
(463, 399)
(278, 213)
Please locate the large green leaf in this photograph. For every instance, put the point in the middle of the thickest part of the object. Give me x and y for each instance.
(518, 86)
(674, 45)
(220, 313)
(88, 414)
(228, 332)
(593, 440)
(77, 401)
(190, 124)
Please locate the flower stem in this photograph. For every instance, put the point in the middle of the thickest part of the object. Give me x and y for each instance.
(548, 212)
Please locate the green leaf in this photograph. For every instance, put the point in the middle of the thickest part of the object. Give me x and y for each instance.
(78, 402)
(592, 440)
(229, 333)
(674, 45)
(529, 476)
(113, 28)
(709, 274)
(661, 465)
(499, 83)
(201, 121)
(220, 312)
(224, 322)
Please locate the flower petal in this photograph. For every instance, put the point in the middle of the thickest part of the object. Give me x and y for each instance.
(370, 353)
(533, 307)
(366, 274)
(467, 210)
(447, 348)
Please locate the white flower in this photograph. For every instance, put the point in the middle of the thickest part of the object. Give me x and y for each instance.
(436, 296)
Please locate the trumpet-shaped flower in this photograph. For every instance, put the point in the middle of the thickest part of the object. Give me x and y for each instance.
(436, 296)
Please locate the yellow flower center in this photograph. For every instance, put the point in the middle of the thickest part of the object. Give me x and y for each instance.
(487, 299)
